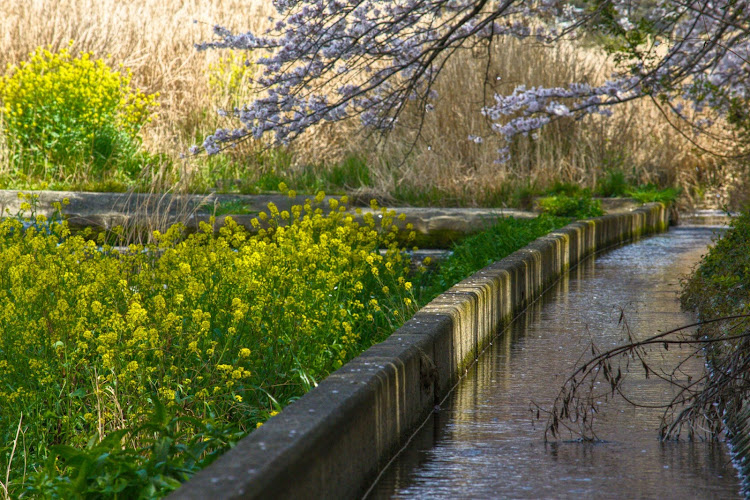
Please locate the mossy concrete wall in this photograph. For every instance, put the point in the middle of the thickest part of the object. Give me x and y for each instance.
(333, 442)
(143, 212)
(739, 442)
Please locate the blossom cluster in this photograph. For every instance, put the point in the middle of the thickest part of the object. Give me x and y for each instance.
(330, 60)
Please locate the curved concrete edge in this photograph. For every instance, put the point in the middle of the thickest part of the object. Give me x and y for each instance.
(433, 227)
(332, 442)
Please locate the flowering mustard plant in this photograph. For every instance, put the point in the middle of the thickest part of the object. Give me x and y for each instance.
(60, 110)
(225, 327)
(231, 76)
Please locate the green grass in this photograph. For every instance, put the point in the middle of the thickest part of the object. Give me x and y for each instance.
(563, 205)
(235, 207)
(650, 193)
(482, 249)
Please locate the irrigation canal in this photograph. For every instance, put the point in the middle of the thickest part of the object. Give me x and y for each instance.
(483, 441)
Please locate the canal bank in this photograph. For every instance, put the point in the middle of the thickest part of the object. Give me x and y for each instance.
(334, 441)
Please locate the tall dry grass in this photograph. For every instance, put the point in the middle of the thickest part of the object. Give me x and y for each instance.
(637, 140)
(154, 38)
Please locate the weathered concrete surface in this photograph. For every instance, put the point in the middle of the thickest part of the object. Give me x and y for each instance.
(332, 442)
(434, 227)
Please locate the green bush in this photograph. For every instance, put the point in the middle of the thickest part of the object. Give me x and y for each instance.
(651, 193)
(579, 207)
(61, 111)
(720, 286)
(613, 184)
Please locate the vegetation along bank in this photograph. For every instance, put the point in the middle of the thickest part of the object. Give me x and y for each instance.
(720, 288)
(123, 373)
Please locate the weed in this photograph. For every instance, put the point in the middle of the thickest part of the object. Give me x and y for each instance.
(225, 327)
(579, 207)
(482, 249)
(650, 193)
(613, 184)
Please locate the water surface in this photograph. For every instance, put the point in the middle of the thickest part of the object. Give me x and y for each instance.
(484, 442)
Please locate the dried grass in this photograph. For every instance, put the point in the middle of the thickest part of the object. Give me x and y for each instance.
(155, 38)
(636, 140)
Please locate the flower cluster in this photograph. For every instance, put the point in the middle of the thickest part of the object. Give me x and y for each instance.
(333, 60)
(227, 326)
(62, 109)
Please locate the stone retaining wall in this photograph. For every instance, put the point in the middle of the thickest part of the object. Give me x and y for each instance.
(333, 442)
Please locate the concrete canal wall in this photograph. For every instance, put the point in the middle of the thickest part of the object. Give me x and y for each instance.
(333, 442)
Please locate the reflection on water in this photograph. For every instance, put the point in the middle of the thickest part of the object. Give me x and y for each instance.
(483, 442)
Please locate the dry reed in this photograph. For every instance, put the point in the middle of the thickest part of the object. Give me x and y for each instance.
(637, 140)
(154, 38)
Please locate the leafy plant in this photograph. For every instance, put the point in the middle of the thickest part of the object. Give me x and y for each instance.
(232, 207)
(720, 286)
(225, 327)
(167, 455)
(613, 184)
(61, 111)
(133, 369)
(568, 189)
(477, 251)
(579, 207)
(651, 193)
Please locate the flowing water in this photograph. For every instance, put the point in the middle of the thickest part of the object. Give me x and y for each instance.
(484, 442)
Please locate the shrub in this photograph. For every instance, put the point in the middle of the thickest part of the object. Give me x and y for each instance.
(651, 193)
(62, 111)
(720, 285)
(613, 184)
(579, 207)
